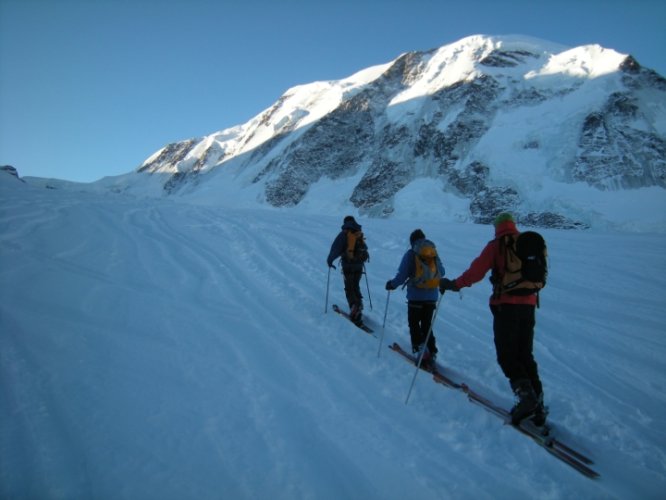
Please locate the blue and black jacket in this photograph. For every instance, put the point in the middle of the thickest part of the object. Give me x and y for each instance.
(407, 270)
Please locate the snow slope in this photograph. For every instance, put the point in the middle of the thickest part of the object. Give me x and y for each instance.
(159, 350)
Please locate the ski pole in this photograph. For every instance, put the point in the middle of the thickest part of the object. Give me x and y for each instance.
(328, 281)
(425, 346)
(368, 286)
(381, 339)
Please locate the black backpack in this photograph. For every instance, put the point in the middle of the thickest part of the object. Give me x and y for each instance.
(532, 252)
(526, 266)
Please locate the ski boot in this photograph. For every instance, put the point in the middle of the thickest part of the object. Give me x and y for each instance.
(540, 413)
(356, 315)
(427, 361)
(527, 401)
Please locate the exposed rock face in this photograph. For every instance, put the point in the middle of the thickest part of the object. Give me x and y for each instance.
(445, 115)
(335, 147)
(170, 156)
(8, 169)
(613, 154)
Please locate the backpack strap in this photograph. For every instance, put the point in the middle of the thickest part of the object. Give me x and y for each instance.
(498, 273)
(506, 244)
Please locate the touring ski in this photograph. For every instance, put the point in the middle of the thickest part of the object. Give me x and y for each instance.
(432, 368)
(540, 435)
(362, 326)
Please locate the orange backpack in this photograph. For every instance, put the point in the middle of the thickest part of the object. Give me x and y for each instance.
(357, 250)
(427, 273)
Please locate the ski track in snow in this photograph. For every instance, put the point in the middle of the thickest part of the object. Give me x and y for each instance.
(158, 350)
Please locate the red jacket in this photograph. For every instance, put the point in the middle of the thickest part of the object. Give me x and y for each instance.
(489, 259)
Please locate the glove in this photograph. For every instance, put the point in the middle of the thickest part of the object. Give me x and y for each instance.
(389, 285)
(447, 284)
(330, 264)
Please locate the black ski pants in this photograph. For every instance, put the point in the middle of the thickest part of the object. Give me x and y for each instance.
(353, 287)
(419, 318)
(513, 327)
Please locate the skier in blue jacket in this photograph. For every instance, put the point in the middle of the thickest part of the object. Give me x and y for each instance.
(422, 295)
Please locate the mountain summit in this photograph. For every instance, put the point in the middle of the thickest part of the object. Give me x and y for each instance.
(560, 136)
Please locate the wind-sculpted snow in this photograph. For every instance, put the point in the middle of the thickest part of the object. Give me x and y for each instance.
(152, 349)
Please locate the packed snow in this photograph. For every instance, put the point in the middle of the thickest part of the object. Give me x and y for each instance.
(159, 349)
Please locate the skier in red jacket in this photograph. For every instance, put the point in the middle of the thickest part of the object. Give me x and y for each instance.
(513, 324)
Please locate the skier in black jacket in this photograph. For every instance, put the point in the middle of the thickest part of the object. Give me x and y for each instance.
(350, 246)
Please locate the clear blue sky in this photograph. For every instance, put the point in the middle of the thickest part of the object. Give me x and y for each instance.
(91, 88)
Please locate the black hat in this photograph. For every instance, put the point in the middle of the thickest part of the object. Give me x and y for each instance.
(416, 235)
(349, 218)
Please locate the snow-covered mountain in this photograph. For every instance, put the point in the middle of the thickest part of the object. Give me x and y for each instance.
(562, 137)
